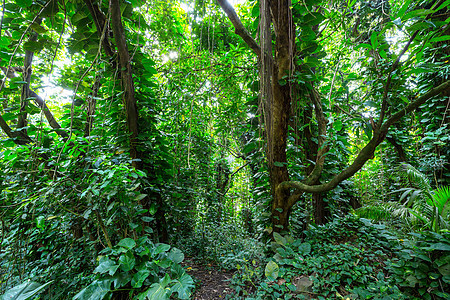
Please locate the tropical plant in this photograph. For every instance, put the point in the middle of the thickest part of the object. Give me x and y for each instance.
(24, 291)
(139, 269)
(419, 205)
(430, 206)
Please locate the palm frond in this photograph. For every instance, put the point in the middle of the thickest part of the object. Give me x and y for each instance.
(388, 211)
(441, 198)
(414, 178)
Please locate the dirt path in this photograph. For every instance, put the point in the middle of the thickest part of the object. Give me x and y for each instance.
(211, 282)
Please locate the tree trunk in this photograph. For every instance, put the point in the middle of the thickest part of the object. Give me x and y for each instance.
(321, 209)
(131, 110)
(277, 102)
(275, 81)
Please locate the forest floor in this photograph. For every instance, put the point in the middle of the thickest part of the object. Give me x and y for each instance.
(211, 282)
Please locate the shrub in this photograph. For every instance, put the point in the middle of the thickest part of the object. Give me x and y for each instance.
(142, 269)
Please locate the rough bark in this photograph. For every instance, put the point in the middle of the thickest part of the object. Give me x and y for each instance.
(277, 111)
(321, 210)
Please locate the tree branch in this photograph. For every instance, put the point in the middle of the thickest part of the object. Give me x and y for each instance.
(48, 114)
(384, 103)
(231, 176)
(19, 137)
(323, 148)
(367, 152)
(396, 64)
(239, 28)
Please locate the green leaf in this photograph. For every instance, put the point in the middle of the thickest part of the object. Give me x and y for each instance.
(304, 248)
(121, 279)
(176, 255)
(95, 291)
(9, 116)
(312, 61)
(38, 28)
(279, 239)
(40, 222)
(139, 277)
(249, 147)
(368, 130)
(140, 197)
(147, 219)
(177, 271)
(77, 17)
(350, 3)
(127, 261)
(183, 286)
(24, 3)
(33, 46)
(444, 270)
(255, 10)
(127, 243)
(371, 103)
(439, 246)
(403, 9)
(337, 125)
(374, 40)
(307, 34)
(440, 38)
(4, 42)
(308, 47)
(364, 45)
(278, 164)
(160, 248)
(271, 270)
(153, 209)
(419, 26)
(106, 265)
(418, 13)
(24, 291)
(158, 291)
(312, 18)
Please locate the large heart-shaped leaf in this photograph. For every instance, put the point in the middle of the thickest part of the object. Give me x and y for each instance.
(127, 261)
(176, 255)
(183, 286)
(106, 265)
(139, 277)
(24, 291)
(95, 291)
(127, 243)
(271, 270)
(157, 291)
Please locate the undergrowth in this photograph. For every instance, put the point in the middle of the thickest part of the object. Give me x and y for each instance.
(349, 258)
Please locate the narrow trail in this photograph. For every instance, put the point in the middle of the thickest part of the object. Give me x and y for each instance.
(211, 282)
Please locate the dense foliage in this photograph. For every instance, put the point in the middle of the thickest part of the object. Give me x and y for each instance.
(260, 136)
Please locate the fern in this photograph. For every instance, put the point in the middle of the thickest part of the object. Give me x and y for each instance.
(418, 206)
